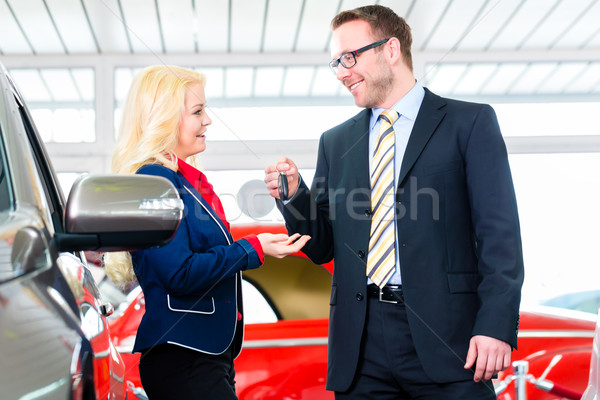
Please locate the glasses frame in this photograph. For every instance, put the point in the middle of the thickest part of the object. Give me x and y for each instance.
(334, 64)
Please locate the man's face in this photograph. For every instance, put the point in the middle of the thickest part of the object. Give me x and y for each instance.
(370, 79)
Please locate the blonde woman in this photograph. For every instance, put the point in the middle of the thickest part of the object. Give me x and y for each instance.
(193, 326)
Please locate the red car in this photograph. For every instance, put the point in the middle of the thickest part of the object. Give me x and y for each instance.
(285, 344)
(109, 368)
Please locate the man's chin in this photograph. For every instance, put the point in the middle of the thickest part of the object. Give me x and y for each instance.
(359, 102)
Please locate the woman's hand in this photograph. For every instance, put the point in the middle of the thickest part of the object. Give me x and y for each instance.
(281, 245)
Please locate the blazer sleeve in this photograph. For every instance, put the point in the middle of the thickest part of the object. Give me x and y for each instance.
(185, 272)
(308, 212)
(496, 226)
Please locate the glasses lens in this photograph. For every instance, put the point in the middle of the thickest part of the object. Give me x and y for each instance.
(348, 60)
(333, 65)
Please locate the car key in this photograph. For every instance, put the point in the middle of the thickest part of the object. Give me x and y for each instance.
(282, 186)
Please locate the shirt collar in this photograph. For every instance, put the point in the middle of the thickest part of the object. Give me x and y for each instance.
(408, 106)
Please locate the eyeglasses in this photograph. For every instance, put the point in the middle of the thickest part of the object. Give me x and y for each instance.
(348, 60)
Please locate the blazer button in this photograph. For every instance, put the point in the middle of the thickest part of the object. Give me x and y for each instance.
(361, 254)
(367, 213)
(359, 296)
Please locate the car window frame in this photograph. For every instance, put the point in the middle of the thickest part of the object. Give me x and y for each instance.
(5, 179)
(53, 194)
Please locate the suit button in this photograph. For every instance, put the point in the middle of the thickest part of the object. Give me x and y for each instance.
(359, 296)
(361, 254)
(367, 212)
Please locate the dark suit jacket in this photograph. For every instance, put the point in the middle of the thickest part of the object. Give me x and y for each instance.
(192, 285)
(458, 234)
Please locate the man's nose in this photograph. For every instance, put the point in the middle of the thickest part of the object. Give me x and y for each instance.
(342, 72)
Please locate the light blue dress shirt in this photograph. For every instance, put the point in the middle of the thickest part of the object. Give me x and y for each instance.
(407, 108)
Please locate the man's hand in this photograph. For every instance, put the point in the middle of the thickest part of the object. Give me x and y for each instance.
(286, 165)
(492, 356)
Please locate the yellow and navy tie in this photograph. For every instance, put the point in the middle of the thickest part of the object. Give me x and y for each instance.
(381, 261)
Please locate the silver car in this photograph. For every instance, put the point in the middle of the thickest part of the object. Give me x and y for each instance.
(54, 339)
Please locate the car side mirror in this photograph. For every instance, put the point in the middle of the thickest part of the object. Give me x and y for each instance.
(120, 213)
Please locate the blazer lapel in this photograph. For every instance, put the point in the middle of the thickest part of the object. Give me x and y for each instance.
(429, 117)
(207, 208)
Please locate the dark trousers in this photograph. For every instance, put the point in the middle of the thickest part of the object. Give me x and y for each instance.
(174, 372)
(389, 368)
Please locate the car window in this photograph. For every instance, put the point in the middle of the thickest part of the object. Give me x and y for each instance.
(294, 287)
(257, 309)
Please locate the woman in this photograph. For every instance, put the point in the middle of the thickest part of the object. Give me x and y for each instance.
(193, 325)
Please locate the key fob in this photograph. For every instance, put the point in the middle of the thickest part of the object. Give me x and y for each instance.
(282, 186)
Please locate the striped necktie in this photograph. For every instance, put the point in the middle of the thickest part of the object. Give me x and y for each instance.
(381, 261)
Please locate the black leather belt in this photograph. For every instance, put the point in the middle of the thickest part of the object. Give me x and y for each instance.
(387, 294)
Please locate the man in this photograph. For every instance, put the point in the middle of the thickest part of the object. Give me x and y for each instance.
(426, 287)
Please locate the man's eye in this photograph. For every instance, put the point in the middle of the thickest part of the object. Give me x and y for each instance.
(347, 57)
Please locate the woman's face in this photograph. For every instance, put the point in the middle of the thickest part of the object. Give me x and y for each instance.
(194, 121)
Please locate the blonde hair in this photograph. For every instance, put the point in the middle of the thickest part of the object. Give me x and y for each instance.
(147, 135)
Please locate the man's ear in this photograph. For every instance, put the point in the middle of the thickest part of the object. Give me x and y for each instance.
(392, 50)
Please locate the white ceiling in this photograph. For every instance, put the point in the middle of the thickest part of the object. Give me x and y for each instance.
(275, 51)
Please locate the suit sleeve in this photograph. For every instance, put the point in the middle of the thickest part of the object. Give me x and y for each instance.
(185, 272)
(308, 212)
(496, 225)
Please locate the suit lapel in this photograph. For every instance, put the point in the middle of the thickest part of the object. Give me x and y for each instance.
(357, 151)
(429, 117)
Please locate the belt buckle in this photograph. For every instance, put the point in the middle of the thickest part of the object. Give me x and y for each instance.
(382, 300)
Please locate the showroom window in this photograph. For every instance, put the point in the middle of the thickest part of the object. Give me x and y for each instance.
(61, 101)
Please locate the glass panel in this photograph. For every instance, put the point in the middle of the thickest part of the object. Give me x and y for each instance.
(238, 82)
(547, 119)
(61, 100)
(282, 123)
(558, 196)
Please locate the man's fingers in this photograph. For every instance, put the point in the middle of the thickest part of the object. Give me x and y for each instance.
(471, 355)
(506, 362)
(292, 238)
(480, 368)
(270, 168)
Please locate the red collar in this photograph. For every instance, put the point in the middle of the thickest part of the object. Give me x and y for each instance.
(190, 173)
(202, 185)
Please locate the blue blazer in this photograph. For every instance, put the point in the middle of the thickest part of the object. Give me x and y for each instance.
(457, 228)
(192, 285)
